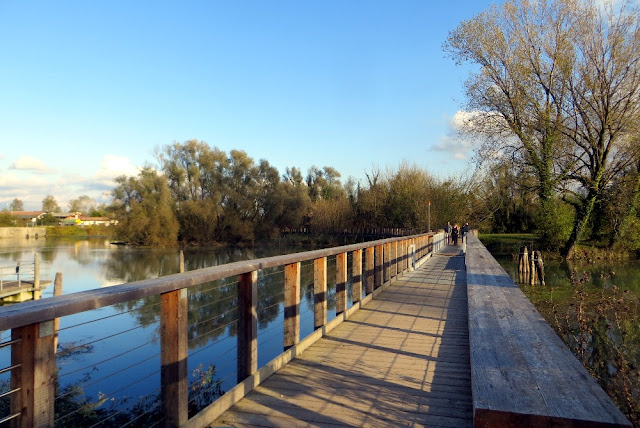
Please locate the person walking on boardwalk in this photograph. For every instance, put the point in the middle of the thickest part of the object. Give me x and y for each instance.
(454, 234)
(447, 232)
(464, 231)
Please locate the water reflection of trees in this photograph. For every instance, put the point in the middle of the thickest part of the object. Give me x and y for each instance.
(135, 265)
(213, 307)
(73, 408)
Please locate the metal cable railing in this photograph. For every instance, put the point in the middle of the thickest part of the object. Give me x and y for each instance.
(124, 359)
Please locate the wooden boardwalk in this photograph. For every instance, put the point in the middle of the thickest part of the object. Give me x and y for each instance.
(402, 360)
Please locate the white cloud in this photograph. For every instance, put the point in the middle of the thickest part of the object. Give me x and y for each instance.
(31, 163)
(113, 166)
(457, 141)
(26, 181)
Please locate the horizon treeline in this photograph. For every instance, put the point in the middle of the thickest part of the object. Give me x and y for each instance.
(201, 194)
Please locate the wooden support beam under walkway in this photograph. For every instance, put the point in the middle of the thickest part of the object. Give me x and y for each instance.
(403, 359)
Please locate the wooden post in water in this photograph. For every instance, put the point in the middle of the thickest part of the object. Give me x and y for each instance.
(181, 259)
(319, 292)
(33, 379)
(37, 293)
(57, 291)
(523, 265)
(247, 324)
(291, 305)
(541, 269)
(356, 276)
(341, 283)
(173, 358)
(370, 264)
(532, 269)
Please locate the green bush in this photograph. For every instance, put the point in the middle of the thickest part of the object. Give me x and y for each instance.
(629, 234)
(554, 223)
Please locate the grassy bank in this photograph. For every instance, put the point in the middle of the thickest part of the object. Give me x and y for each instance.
(79, 232)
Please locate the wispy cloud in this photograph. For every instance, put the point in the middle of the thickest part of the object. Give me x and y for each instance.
(457, 141)
(29, 180)
(31, 163)
(113, 166)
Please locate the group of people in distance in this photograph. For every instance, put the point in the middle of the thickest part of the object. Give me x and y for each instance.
(453, 232)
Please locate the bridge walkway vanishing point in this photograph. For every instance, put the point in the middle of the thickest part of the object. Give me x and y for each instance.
(402, 360)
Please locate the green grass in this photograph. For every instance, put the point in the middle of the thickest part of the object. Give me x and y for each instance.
(79, 232)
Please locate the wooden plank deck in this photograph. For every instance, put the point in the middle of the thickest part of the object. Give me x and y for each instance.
(523, 373)
(402, 360)
(11, 288)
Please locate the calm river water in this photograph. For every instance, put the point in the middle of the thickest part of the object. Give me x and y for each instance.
(110, 358)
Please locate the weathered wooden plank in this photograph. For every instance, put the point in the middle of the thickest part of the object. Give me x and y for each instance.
(394, 259)
(247, 325)
(33, 352)
(173, 358)
(341, 283)
(356, 276)
(387, 262)
(319, 292)
(442, 388)
(522, 372)
(394, 362)
(371, 265)
(291, 304)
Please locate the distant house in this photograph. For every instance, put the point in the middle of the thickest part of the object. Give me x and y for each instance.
(96, 221)
(66, 219)
(28, 216)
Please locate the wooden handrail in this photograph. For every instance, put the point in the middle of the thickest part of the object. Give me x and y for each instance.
(32, 323)
(32, 312)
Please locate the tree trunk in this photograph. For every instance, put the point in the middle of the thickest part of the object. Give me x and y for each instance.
(582, 217)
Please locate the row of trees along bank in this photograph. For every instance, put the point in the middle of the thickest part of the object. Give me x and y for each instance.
(200, 194)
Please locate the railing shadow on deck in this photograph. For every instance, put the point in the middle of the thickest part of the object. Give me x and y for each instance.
(33, 368)
(327, 387)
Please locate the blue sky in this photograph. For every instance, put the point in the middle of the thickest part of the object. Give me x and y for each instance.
(90, 89)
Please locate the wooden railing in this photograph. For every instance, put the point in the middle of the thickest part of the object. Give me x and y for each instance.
(33, 362)
(522, 374)
(378, 232)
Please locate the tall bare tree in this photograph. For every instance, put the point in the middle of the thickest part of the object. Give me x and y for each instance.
(555, 92)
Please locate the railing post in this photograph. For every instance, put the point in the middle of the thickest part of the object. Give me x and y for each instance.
(387, 262)
(394, 258)
(370, 269)
(356, 276)
(341, 283)
(319, 292)
(247, 324)
(379, 268)
(173, 358)
(291, 304)
(33, 353)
